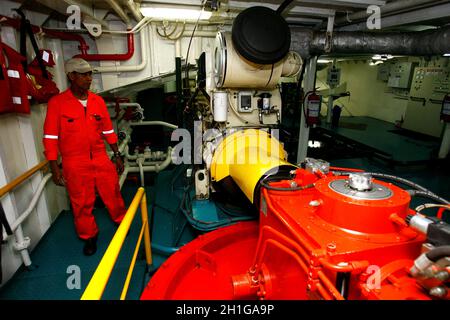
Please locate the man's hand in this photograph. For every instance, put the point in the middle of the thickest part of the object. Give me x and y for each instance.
(57, 177)
(119, 164)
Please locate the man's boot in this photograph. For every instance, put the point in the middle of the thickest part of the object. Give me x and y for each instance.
(90, 246)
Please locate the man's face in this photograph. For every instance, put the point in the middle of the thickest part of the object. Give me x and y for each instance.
(81, 80)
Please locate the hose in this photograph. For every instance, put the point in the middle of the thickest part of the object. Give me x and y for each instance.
(206, 226)
(264, 183)
(283, 6)
(420, 191)
(438, 253)
(427, 194)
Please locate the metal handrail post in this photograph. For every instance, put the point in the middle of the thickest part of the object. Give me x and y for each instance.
(147, 244)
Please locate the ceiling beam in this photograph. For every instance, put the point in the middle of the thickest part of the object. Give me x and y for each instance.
(347, 3)
(320, 12)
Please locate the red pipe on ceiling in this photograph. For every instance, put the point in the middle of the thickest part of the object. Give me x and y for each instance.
(15, 23)
(111, 57)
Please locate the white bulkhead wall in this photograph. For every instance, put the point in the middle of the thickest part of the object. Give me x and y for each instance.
(21, 135)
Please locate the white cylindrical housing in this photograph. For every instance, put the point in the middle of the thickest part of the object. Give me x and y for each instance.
(234, 71)
(220, 106)
(292, 64)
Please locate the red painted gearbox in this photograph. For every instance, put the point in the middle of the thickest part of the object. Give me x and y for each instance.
(328, 237)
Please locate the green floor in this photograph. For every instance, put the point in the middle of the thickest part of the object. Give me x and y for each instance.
(59, 253)
(403, 146)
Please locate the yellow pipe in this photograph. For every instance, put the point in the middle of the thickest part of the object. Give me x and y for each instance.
(10, 186)
(147, 244)
(247, 156)
(96, 286)
(132, 264)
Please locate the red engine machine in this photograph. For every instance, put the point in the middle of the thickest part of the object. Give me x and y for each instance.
(321, 235)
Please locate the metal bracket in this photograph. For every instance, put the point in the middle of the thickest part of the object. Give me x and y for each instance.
(329, 34)
(94, 29)
(19, 246)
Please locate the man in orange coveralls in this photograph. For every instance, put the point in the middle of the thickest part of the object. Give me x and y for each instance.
(77, 121)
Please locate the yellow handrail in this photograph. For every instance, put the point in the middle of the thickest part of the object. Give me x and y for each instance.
(7, 188)
(99, 280)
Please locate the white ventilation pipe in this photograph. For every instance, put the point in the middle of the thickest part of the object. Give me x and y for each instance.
(118, 9)
(131, 5)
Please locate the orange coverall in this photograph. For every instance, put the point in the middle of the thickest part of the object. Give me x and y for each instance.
(78, 133)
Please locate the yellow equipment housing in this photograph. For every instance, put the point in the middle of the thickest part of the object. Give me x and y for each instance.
(246, 156)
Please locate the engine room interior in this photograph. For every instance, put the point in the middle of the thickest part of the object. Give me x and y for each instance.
(271, 150)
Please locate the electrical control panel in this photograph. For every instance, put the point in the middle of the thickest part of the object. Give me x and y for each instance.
(430, 83)
(400, 75)
(383, 71)
(243, 108)
(333, 76)
(245, 101)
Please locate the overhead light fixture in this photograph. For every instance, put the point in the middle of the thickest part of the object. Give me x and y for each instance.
(167, 12)
(323, 61)
(446, 54)
(382, 57)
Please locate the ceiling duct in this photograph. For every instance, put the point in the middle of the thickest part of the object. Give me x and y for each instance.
(423, 43)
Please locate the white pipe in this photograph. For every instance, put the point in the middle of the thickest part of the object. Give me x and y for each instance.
(136, 29)
(143, 155)
(124, 144)
(154, 123)
(21, 245)
(132, 7)
(21, 241)
(123, 176)
(155, 168)
(118, 9)
(147, 163)
(32, 204)
(141, 171)
(139, 67)
(152, 168)
(156, 165)
(205, 34)
(124, 104)
(178, 48)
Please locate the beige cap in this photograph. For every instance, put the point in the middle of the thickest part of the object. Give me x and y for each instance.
(78, 65)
